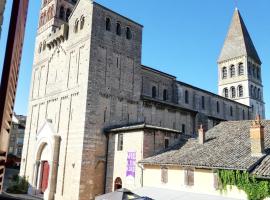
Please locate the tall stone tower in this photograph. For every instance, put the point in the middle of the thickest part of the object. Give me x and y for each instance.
(239, 68)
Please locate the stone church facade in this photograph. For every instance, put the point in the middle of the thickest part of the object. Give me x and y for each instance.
(87, 78)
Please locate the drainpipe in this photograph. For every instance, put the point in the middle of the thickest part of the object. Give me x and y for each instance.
(107, 149)
(142, 168)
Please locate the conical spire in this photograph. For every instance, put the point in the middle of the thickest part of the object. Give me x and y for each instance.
(238, 41)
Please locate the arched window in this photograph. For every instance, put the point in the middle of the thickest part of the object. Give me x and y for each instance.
(225, 92)
(68, 14)
(232, 71)
(240, 69)
(240, 91)
(243, 115)
(251, 91)
(231, 111)
(259, 94)
(128, 33)
(108, 24)
(118, 29)
(203, 102)
(249, 69)
(224, 72)
(82, 22)
(74, 1)
(40, 47)
(254, 71)
(44, 45)
(154, 92)
(186, 97)
(218, 107)
(165, 95)
(258, 73)
(233, 93)
(62, 12)
(255, 92)
(76, 26)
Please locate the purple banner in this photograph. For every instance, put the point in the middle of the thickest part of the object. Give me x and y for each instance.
(131, 164)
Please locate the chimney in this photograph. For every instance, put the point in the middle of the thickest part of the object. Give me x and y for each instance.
(257, 137)
(201, 133)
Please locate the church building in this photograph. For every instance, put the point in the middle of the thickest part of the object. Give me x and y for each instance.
(90, 91)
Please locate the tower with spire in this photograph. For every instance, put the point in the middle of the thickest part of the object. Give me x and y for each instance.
(239, 68)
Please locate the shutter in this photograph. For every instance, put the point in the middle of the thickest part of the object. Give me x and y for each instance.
(186, 177)
(164, 175)
(191, 177)
(216, 181)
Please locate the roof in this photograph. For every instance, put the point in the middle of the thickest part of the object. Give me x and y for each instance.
(139, 126)
(263, 169)
(227, 146)
(238, 41)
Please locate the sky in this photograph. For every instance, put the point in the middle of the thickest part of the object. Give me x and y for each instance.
(180, 37)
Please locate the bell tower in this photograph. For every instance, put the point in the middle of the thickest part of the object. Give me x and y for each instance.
(239, 68)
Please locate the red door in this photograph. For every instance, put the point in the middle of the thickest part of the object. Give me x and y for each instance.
(44, 176)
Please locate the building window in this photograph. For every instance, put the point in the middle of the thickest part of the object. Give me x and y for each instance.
(233, 93)
(258, 73)
(216, 181)
(68, 14)
(255, 92)
(183, 128)
(231, 111)
(189, 177)
(164, 175)
(62, 12)
(44, 45)
(240, 91)
(108, 24)
(118, 29)
(254, 71)
(240, 69)
(76, 26)
(225, 92)
(244, 115)
(249, 69)
(232, 71)
(154, 92)
(186, 97)
(224, 72)
(218, 107)
(203, 102)
(165, 95)
(128, 33)
(166, 143)
(259, 96)
(82, 22)
(40, 48)
(120, 142)
(251, 91)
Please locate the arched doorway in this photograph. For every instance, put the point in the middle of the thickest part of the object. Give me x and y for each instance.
(117, 183)
(44, 176)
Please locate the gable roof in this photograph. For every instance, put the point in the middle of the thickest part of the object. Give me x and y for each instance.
(238, 41)
(227, 146)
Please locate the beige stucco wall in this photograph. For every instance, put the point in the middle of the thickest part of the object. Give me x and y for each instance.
(203, 181)
(132, 142)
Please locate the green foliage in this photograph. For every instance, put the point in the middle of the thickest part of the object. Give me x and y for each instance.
(18, 186)
(255, 189)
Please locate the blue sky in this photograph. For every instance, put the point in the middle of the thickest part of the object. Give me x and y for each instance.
(181, 37)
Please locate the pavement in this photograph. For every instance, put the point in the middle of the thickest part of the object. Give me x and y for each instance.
(6, 196)
(166, 194)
